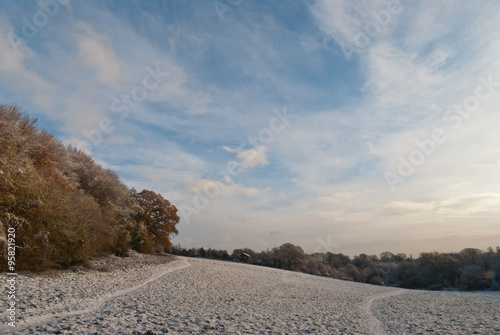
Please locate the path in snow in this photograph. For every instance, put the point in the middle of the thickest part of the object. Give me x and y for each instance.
(97, 304)
(375, 326)
(214, 297)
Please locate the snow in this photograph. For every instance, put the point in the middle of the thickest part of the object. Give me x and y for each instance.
(193, 296)
(487, 292)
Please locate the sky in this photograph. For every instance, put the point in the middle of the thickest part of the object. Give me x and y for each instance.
(342, 126)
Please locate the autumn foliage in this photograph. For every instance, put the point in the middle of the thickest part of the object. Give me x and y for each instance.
(65, 207)
(159, 218)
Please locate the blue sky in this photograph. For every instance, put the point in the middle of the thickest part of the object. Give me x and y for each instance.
(342, 126)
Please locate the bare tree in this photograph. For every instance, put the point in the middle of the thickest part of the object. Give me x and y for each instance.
(288, 256)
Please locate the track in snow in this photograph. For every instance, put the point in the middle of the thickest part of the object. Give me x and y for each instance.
(375, 325)
(214, 297)
(97, 304)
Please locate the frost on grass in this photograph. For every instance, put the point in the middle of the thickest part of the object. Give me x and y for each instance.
(189, 296)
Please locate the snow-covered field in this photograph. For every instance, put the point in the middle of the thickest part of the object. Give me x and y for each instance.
(195, 296)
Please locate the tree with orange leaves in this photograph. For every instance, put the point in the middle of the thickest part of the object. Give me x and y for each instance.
(159, 218)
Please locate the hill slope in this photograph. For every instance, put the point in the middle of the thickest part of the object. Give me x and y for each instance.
(189, 296)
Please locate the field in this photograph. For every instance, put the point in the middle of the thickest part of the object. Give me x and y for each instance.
(199, 296)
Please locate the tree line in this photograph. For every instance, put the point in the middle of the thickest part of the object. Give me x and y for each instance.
(64, 207)
(469, 269)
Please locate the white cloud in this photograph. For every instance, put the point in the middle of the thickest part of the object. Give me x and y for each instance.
(176, 91)
(395, 78)
(16, 67)
(217, 190)
(353, 24)
(251, 157)
(338, 198)
(397, 86)
(97, 53)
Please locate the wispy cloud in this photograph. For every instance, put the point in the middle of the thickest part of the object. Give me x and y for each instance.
(99, 57)
(367, 82)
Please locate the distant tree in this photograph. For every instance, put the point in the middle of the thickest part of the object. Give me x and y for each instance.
(223, 254)
(158, 216)
(289, 256)
(266, 258)
(193, 252)
(211, 253)
(390, 273)
(337, 260)
(428, 259)
(311, 264)
(387, 257)
(351, 272)
(472, 256)
(448, 269)
(473, 278)
(319, 256)
(400, 257)
(363, 261)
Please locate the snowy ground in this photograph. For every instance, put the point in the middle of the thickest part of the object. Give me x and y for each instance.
(195, 296)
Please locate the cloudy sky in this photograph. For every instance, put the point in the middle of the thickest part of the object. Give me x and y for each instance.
(342, 126)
